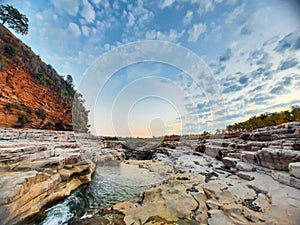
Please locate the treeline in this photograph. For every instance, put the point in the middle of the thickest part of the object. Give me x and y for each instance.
(266, 119)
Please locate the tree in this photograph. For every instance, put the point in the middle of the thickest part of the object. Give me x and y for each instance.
(14, 19)
(69, 79)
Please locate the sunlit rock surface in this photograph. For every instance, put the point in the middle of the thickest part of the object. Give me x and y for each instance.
(244, 180)
(39, 167)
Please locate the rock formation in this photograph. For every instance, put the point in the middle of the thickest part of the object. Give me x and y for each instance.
(275, 148)
(210, 181)
(38, 168)
(32, 94)
(221, 181)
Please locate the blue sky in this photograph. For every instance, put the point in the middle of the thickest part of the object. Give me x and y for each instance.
(251, 48)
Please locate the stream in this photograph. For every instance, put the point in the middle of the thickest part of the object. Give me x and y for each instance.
(110, 184)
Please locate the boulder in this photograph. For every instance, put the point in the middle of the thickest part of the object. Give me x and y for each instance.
(286, 178)
(200, 148)
(245, 136)
(215, 151)
(141, 154)
(244, 166)
(230, 162)
(245, 176)
(248, 157)
(261, 136)
(278, 159)
(294, 169)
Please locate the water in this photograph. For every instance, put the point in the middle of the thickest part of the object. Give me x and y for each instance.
(110, 184)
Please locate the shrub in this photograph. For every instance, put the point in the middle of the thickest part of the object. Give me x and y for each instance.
(41, 113)
(50, 81)
(10, 51)
(109, 138)
(22, 121)
(41, 75)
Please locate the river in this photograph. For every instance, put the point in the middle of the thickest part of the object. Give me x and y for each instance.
(110, 184)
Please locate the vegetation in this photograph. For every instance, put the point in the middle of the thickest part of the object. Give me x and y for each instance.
(15, 52)
(172, 137)
(41, 75)
(14, 19)
(10, 51)
(69, 79)
(109, 138)
(79, 114)
(41, 113)
(266, 119)
(255, 122)
(22, 121)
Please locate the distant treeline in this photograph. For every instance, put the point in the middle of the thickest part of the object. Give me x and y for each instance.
(110, 138)
(255, 122)
(266, 119)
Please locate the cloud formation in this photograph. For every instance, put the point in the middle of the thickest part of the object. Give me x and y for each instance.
(71, 7)
(252, 47)
(74, 29)
(88, 11)
(196, 31)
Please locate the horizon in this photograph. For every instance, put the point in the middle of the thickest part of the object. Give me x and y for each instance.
(249, 48)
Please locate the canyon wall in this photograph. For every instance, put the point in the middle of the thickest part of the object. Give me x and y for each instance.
(32, 94)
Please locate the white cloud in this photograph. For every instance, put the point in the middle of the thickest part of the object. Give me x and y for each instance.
(231, 2)
(96, 1)
(39, 16)
(88, 11)
(196, 31)
(208, 5)
(151, 35)
(85, 30)
(71, 7)
(204, 5)
(235, 13)
(263, 86)
(188, 18)
(131, 20)
(74, 29)
(166, 3)
(138, 20)
(172, 35)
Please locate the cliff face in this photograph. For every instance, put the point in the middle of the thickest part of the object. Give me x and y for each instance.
(32, 94)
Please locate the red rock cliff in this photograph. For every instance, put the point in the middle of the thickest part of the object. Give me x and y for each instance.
(32, 94)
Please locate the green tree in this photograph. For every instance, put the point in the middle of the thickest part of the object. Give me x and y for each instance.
(69, 79)
(14, 19)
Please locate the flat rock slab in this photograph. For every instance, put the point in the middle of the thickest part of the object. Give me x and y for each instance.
(245, 176)
(294, 169)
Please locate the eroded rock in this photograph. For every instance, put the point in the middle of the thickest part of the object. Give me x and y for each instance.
(38, 168)
(294, 169)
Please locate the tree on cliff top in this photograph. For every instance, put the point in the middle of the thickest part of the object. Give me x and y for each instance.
(14, 19)
(69, 79)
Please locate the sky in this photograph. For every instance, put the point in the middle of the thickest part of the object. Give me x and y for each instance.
(249, 53)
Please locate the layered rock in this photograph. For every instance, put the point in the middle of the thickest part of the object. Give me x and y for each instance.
(32, 93)
(274, 148)
(191, 198)
(235, 183)
(38, 168)
(294, 169)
